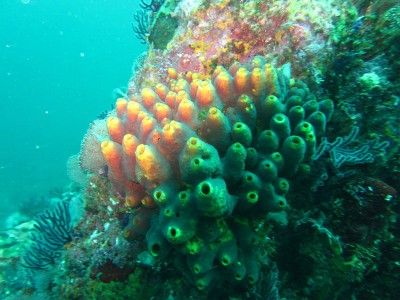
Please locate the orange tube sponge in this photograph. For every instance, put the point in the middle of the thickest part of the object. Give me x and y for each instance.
(224, 85)
(150, 165)
(170, 99)
(147, 201)
(112, 155)
(241, 80)
(129, 145)
(149, 97)
(234, 68)
(193, 87)
(120, 106)
(146, 126)
(258, 82)
(161, 90)
(132, 110)
(132, 200)
(172, 73)
(116, 129)
(187, 112)
(180, 96)
(134, 194)
(205, 94)
(173, 137)
(161, 111)
(189, 76)
(180, 85)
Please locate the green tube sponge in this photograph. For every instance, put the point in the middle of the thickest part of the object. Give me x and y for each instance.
(179, 230)
(280, 125)
(303, 129)
(194, 246)
(212, 229)
(276, 202)
(293, 101)
(247, 200)
(258, 61)
(304, 171)
(238, 271)
(216, 129)
(311, 142)
(265, 194)
(281, 186)
(268, 141)
(156, 243)
(301, 85)
(270, 200)
(227, 253)
(272, 80)
(246, 238)
(327, 107)
(318, 120)
(213, 199)
(184, 198)
(251, 158)
(250, 181)
(293, 151)
(295, 91)
(242, 133)
(203, 262)
(203, 282)
(198, 160)
(296, 115)
(267, 170)
(252, 197)
(270, 106)
(234, 162)
(167, 212)
(198, 169)
(277, 159)
(246, 110)
(252, 269)
(163, 194)
(310, 106)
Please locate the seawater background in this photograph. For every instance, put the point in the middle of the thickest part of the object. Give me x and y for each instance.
(59, 63)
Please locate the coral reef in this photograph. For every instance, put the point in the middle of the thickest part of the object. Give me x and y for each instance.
(255, 155)
(213, 157)
(195, 36)
(196, 162)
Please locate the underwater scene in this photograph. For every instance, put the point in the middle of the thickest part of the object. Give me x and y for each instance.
(200, 149)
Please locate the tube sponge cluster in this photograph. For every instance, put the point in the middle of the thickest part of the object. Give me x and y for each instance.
(210, 155)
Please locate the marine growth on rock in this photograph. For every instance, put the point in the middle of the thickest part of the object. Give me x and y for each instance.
(210, 155)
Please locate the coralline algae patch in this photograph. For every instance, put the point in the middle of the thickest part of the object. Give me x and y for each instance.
(222, 32)
(210, 156)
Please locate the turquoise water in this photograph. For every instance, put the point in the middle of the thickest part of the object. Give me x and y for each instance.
(59, 63)
(256, 155)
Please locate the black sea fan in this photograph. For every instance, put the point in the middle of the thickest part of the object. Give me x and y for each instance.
(153, 6)
(141, 27)
(53, 230)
